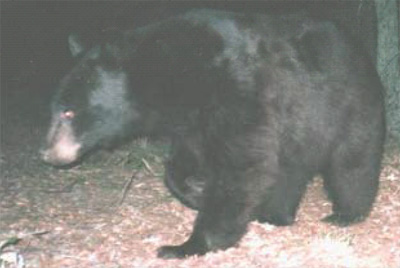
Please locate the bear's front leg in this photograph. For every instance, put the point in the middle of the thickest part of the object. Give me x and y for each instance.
(183, 172)
(196, 245)
(230, 200)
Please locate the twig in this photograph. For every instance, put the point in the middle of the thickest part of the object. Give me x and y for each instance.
(15, 239)
(149, 168)
(37, 233)
(127, 186)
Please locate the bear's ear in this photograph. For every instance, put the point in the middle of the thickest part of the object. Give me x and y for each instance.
(110, 35)
(112, 40)
(79, 44)
(113, 46)
(76, 45)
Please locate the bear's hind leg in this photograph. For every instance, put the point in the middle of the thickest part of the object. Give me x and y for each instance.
(183, 175)
(352, 182)
(186, 187)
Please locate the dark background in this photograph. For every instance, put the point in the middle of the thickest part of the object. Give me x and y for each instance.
(34, 51)
(34, 34)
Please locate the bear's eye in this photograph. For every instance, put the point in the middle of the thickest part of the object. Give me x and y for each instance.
(68, 114)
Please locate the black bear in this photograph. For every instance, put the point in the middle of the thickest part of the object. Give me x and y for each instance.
(255, 106)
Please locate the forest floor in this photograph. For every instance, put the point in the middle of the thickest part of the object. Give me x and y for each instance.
(113, 210)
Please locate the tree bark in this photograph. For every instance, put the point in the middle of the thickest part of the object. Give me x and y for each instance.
(389, 61)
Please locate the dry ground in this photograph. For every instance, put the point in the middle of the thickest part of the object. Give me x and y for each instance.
(74, 218)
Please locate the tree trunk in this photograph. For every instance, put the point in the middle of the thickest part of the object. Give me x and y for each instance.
(389, 61)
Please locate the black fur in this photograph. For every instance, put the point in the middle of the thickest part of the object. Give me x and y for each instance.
(255, 107)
